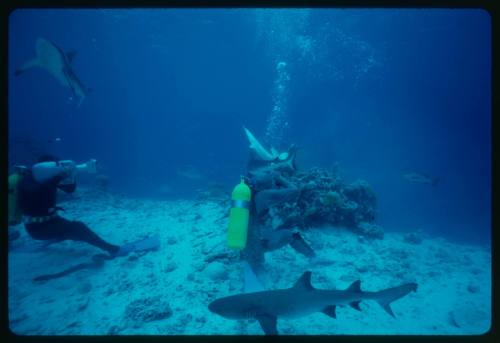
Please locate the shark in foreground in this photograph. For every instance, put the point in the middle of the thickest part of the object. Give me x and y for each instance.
(51, 58)
(300, 300)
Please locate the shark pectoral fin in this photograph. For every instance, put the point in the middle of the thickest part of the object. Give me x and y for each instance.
(387, 308)
(268, 323)
(71, 55)
(355, 305)
(28, 65)
(330, 311)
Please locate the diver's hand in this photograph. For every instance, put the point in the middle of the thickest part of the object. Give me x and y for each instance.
(88, 167)
(68, 172)
(68, 168)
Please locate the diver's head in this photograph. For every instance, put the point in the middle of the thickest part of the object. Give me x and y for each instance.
(47, 158)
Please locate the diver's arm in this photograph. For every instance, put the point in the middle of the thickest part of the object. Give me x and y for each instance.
(50, 173)
(68, 182)
(70, 171)
(280, 180)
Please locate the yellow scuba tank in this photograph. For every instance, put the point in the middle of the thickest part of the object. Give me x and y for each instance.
(15, 214)
(239, 216)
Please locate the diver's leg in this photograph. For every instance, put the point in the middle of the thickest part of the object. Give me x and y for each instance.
(254, 252)
(255, 259)
(78, 231)
(81, 232)
(44, 231)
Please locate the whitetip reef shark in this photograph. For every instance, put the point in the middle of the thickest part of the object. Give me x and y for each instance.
(262, 157)
(258, 148)
(300, 300)
(53, 59)
(421, 178)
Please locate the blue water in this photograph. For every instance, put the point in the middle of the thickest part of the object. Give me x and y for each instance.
(381, 93)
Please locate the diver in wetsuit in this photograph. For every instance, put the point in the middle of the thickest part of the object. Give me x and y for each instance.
(37, 200)
(269, 186)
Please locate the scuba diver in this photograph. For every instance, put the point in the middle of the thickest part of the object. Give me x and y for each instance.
(36, 198)
(269, 187)
(264, 185)
(32, 200)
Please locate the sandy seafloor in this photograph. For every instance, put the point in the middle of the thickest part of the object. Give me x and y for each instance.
(167, 292)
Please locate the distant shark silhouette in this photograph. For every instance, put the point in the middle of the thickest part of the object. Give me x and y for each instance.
(53, 59)
(300, 300)
(422, 178)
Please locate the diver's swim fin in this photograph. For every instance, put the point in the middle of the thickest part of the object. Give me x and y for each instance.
(145, 244)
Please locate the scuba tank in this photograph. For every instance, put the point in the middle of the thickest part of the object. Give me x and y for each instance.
(15, 214)
(239, 216)
(45, 171)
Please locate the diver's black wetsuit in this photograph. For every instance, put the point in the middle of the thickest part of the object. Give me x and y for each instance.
(37, 200)
(253, 252)
(255, 248)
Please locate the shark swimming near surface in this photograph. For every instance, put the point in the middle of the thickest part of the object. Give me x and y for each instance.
(302, 299)
(258, 149)
(263, 159)
(421, 178)
(53, 59)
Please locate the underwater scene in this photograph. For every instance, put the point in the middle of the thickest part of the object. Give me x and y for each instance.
(249, 171)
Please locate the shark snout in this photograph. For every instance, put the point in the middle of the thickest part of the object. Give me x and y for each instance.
(212, 307)
(228, 308)
(216, 307)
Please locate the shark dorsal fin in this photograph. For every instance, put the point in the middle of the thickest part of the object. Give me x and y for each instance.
(355, 287)
(71, 55)
(304, 282)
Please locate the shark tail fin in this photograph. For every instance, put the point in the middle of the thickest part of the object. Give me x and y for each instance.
(387, 296)
(435, 181)
(80, 101)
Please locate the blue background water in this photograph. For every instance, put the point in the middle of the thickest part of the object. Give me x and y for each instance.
(380, 92)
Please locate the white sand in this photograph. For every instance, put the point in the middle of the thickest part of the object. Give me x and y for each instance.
(453, 297)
